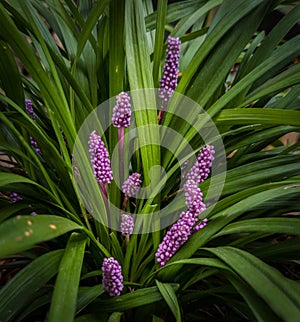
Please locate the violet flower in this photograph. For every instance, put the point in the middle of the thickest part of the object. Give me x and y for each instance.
(127, 224)
(31, 113)
(100, 159)
(132, 185)
(15, 197)
(122, 111)
(201, 169)
(112, 278)
(121, 119)
(168, 81)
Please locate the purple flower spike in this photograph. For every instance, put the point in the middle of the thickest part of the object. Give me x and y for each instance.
(31, 113)
(193, 197)
(122, 111)
(100, 159)
(132, 185)
(15, 197)
(175, 237)
(112, 278)
(29, 109)
(168, 82)
(201, 169)
(127, 224)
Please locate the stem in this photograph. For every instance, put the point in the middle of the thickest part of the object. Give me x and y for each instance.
(127, 239)
(162, 111)
(124, 202)
(121, 153)
(105, 197)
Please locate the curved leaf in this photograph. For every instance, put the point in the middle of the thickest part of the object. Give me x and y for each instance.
(63, 302)
(168, 293)
(279, 292)
(23, 287)
(23, 232)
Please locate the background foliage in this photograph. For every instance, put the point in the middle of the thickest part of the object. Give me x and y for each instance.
(244, 265)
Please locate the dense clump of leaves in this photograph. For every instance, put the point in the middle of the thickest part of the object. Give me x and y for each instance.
(66, 58)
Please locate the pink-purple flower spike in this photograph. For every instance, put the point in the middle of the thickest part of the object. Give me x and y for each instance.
(201, 169)
(131, 186)
(176, 236)
(127, 224)
(168, 81)
(122, 111)
(100, 159)
(112, 278)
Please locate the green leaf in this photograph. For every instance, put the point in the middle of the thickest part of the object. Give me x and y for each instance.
(168, 293)
(22, 289)
(115, 317)
(128, 301)
(140, 77)
(269, 225)
(258, 116)
(280, 293)
(23, 232)
(63, 303)
(258, 306)
(159, 39)
(86, 295)
(10, 80)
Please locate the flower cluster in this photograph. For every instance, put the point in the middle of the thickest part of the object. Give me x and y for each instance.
(132, 185)
(176, 236)
(186, 225)
(168, 82)
(201, 169)
(15, 197)
(99, 159)
(31, 113)
(127, 224)
(122, 111)
(112, 278)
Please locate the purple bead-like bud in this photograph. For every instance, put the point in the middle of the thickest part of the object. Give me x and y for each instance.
(29, 108)
(202, 224)
(132, 185)
(127, 224)
(201, 169)
(193, 197)
(122, 111)
(100, 159)
(112, 278)
(168, 81)
(176, 236)
(15, 197)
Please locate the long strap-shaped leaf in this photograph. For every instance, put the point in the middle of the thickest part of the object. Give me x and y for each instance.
(22, 289)
(140, 77)
(282, 294)
(268, 225)
(23, 232)
(168, 293)
(63, 303)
